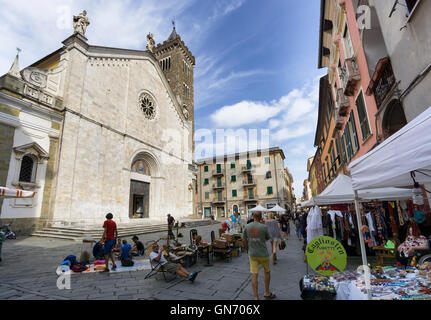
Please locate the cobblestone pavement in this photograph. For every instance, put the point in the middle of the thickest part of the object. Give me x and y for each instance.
(28, 271)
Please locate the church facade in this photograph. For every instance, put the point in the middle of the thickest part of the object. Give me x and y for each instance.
(95, 130)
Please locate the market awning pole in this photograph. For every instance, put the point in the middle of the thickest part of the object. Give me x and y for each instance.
(362, 243)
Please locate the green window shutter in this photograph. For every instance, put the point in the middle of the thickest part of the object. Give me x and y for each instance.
(232, 165)
(206, 181)
(248, 164)
(218, 168)
(233, 179)
(234, 193)
(206, 169)
(218, 182)
(269, 190)
(207, 195)
(267, 160)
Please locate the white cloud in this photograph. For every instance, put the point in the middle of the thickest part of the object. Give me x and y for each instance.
(243, 113)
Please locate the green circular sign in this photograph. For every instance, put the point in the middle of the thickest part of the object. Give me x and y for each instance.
(326, 256)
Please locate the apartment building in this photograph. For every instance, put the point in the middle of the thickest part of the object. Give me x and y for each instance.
(239, 182)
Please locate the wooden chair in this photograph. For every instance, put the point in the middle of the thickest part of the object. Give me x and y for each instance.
(225, 253)
(383, 253)
(156, 268)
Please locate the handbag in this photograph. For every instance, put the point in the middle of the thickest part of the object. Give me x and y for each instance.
(282, 245)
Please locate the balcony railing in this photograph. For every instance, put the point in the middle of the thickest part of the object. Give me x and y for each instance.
(384, 84)
(248, 183)
(339, 121)
(349, 76)
(247, 168)
(218, 172)
(219, 201)
(342, 102)
(218, 186)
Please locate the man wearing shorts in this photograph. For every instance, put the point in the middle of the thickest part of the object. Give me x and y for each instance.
(255, 236)
(109, 236)
(175, 268)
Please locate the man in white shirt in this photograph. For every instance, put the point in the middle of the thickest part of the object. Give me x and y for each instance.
(159, 260)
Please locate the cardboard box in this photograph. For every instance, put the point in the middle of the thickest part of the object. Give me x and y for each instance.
(220, 243)
(228, 237)
(238, 243)
(235, 253)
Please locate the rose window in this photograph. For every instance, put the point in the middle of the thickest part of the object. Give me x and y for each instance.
(147, 106)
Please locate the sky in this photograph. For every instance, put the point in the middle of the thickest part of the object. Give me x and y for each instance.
(256, 61)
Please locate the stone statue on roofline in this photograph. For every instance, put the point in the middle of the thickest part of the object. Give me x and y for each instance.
(80, 23)
(150, 42)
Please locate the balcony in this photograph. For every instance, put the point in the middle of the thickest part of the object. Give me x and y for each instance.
(249, 183)
(246, 169)
(349, 76)
(218, 186)
(342, 103)
(218, 201)
(382, 82)
(252, 199)
(339, 121)
(218, 173)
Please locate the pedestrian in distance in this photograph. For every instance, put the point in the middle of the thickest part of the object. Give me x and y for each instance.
(212, 218)
(255, 236)
(171, 222)
(109, 237)
(274, 234)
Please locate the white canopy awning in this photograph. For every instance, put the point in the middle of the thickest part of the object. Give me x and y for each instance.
(307, 203)
(9, 193)
(277, 208)
(341, 191)
(259, 208)
(390, 163)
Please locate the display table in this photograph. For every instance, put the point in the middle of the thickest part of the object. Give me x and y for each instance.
(390, 284)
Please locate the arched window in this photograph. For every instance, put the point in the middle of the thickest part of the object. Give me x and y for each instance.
(26, 172)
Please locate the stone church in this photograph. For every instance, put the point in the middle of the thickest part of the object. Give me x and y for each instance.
(94, 130)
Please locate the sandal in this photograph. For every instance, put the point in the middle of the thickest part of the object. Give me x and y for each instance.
(106, 270)
(114, 267)
(271, 296)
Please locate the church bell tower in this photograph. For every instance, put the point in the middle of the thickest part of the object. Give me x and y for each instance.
(177, 63)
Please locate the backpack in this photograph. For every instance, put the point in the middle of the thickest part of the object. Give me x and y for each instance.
(78, 268)
(127, 262)
(72, 259)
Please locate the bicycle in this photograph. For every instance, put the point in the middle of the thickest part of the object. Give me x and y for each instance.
(7, 231)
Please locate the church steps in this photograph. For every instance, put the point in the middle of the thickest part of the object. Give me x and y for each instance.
(78, 234)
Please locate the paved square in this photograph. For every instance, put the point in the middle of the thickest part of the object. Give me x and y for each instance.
(28, 271)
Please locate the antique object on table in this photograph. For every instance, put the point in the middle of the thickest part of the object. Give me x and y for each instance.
(388, 253)
(220, 248)
(316, 288)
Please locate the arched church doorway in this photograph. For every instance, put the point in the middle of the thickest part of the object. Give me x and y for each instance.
(140, 189)
(394, 118)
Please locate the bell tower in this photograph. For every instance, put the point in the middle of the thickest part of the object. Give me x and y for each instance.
(177, 63)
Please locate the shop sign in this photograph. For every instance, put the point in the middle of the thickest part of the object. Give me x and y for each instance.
(326, 256)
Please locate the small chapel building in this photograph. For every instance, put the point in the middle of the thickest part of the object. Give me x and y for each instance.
(94, 130)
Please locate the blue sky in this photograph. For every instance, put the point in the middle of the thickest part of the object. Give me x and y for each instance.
(256, 61)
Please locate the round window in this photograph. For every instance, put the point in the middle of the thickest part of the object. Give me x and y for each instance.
(147, 105)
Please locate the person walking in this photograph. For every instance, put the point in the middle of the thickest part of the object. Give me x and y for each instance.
(255, 236)
(274, 234)
(171, 222)
(109, 237)
(285, 225)
(212, 218)
(298, 227)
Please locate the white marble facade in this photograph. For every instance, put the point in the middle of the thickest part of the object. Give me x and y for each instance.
(105, 130)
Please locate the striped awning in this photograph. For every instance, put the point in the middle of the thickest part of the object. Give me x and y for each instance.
(14, 193)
